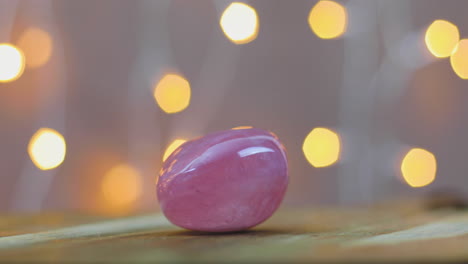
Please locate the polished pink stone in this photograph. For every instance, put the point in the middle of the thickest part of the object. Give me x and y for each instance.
(226, 181)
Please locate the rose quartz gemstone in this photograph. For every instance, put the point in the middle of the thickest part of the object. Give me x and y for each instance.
(226, 181)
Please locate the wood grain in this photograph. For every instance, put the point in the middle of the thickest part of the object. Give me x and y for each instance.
(397, 234)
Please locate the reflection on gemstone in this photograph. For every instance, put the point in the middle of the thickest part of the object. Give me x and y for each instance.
(253, 150)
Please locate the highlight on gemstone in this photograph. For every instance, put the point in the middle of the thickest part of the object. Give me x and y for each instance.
(225, 181)
(174, 144)
(241, 127)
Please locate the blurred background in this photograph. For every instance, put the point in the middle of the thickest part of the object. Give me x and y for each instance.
(367, 96)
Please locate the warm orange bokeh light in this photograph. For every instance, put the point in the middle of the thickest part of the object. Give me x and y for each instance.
(239, 23)
(11, 62)
(121, 187)
(419, 167)
(173, 146)
(172, 93)
(321, 147)
(36, 45)
(47, 149)
(441, 38)
(328, 19)
(459, 59)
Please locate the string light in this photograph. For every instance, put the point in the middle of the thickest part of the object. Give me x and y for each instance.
(239, 23)
(328, 19)
(121, 186)
(321, 147)
(419, 167)
(172, 93)
(36, 45)
(173, 146)
(459, 59)
(441, 38)
(11, 62)
(47, 148)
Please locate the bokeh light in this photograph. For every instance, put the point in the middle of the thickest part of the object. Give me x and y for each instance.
(121, 186)
(321, 147)
(328, 19)
(239, 23)
(173, 146)
(36, 45)
(459, 59)
(11, 62)
(441, 38)
(47, 148)
(172, 93)
(419, 167)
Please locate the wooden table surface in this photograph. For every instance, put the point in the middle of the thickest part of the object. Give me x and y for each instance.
(406, 232)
